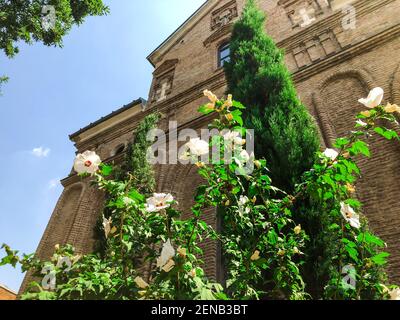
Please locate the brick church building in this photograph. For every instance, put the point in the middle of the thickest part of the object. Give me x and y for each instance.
(333, 62)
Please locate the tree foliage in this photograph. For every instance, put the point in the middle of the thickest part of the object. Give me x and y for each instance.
(134, 168)
(136, 156)
(25, 21)
(257, 76)
(22, 20)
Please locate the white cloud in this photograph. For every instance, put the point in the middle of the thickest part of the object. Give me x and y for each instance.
(54, 183)
(41, 152)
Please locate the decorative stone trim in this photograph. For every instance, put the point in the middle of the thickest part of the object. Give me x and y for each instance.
(224, 15)
(347, 53)
(222, 32)
(329, 23)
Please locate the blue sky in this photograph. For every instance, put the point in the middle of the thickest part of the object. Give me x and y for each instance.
(53, 92)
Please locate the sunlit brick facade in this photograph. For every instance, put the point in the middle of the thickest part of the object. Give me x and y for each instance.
(333, 65)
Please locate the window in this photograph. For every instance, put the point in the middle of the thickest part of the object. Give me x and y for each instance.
(118, 150)
(224, 53)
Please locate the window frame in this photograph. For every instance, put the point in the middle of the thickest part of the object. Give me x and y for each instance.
(223, 58)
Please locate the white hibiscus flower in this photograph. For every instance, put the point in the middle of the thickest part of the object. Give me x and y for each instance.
(167, 253)
(87, 162)
(107, 226)
(350, 215)
(194, 148)
(158, 202)
(242, 206)
(243, 158)
(331, 154)
(374, 98)
(235, 138)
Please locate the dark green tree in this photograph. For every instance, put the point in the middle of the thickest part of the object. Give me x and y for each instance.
(136, 163)
(135, 171)
(285, 133)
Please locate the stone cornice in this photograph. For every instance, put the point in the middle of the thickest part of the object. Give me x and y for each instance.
(347, 53)
(329, 23)
(222, 32)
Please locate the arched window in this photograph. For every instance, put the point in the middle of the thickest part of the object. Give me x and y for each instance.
(118, 150)
(224, 54)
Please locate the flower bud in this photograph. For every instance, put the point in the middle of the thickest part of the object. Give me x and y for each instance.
(200, 164)
(281, 252)
(255, 256)
(229, 117)
(182, 252)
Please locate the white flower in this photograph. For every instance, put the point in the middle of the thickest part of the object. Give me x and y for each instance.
(107, 226)
(195, 147)
(243, 200)
(361, 123)
(374, 99)
(167, 253)
(394, 294)
(244, 157)
(242, 206)
(234, 137)
(350, 216)
(158, 202)
(141, 283)
(87, 162)
(331, 154)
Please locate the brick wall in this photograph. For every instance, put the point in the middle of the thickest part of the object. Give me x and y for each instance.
(332, 67)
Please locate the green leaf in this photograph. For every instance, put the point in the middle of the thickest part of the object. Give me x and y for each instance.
(272, 237)
(370, 239)
(341, 142)
(135, 195)
(238, 105)
(106, 170)
(381, 258)
(205, 109)
(360, 147)
(237, 116)
(386, 133)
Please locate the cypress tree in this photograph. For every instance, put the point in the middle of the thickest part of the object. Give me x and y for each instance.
(285, 133)
(136, 162)
(135, 166)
